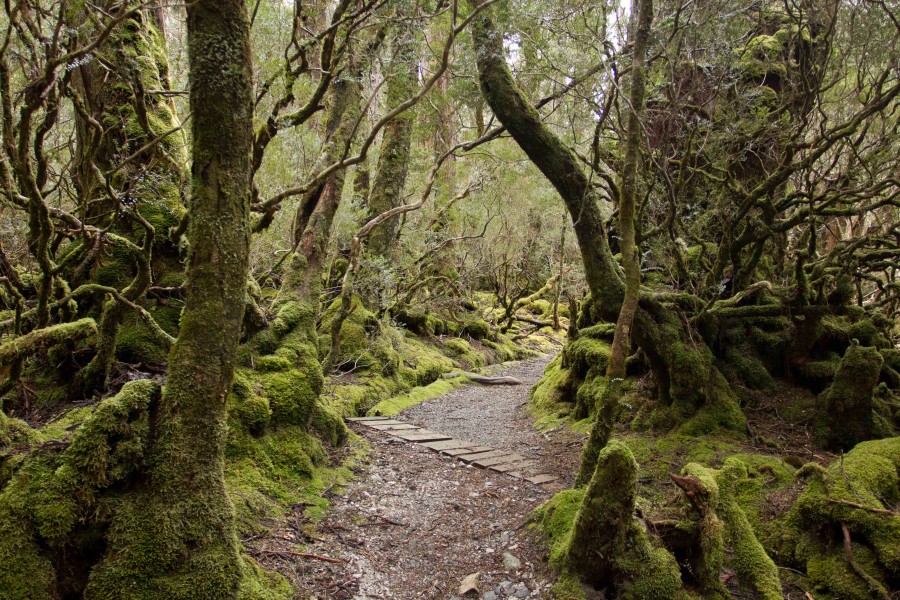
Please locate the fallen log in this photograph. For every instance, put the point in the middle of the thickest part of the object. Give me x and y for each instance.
(483, 379)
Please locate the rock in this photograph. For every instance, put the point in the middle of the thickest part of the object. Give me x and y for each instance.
(504, 538)
(521, 591)
(505, 587)
(490, 595)
(469, 585)
(511, 562)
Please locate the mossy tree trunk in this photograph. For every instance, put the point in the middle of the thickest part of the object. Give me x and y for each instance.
(175, 537)
(129, 169)
(393, 162)
(631, 262)
(689, 382)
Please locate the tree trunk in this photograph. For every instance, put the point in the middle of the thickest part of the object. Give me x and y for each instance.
(175, 537)
(631, 262)
(393, 163)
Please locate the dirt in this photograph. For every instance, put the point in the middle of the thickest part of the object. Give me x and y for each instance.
(415, 523)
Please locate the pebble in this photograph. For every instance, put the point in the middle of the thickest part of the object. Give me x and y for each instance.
(511, 562)
(491, 595)
(504, 538)
(521, 591)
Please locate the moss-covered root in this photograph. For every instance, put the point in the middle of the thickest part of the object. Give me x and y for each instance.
(604, 516)
(750, 561)
(608, 546)
(702, 492)
(844, 410)
(850, 505)
(57, 501)
(600, 431)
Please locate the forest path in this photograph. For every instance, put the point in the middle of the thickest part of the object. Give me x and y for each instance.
(418, 522)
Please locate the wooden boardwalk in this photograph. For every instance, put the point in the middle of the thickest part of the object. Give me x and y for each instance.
(501, 461)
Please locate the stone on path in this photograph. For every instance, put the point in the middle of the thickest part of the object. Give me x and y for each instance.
(366, 419)
(512, 466)
(392, 426)
(469, 585)
(538, 479)
(511, 562)
(458, 451)
(479, 455)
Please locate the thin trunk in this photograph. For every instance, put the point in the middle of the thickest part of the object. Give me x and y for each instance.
(631, 262)
(175, 537)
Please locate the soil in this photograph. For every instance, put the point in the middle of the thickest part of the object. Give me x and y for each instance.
(415, 523)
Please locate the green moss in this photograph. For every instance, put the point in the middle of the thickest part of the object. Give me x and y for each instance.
(478, 329)
(555, 519)
(645, 571)
(748, 369)
(866, 476)
(587, 353)
(552, 403)
(259, 584)
(460, 350)
(54, 493)
(567, 587)
(844, 414)
(395, 405)
(748, 557)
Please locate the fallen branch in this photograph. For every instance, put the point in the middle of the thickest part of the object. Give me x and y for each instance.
(880, 511)
(41, 339)
(300, 554)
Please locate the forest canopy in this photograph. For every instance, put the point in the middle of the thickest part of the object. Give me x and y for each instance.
(226, 227)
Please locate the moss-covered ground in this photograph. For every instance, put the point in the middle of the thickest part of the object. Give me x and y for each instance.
(780, 505)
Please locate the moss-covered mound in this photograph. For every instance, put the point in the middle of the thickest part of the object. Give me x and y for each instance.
(844, 529)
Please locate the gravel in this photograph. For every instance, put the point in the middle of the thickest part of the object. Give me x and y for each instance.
(495, 416)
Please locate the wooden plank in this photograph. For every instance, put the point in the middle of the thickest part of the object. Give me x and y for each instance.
(376, 424)
(448, 445)
(479, 455)
(392, 427)
(458, 451)
(366, 419)
(497, 460)
(512, 466)
(423, 436)
(543, 478)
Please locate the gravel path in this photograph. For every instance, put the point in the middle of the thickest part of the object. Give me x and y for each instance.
(414, 524)
(495, 416)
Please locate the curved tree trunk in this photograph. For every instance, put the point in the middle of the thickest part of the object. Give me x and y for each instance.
(690, 387)
(175, 537)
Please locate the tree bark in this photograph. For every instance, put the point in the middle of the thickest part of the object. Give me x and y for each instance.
(175, 537)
